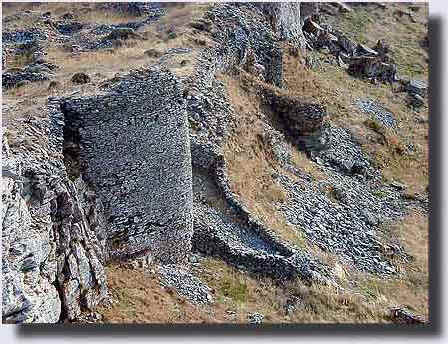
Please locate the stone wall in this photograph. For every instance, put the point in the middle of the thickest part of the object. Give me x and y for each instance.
(302, 119)
(109, 176)
(134, 151)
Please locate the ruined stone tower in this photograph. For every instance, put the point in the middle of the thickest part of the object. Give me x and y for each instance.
(134, 151)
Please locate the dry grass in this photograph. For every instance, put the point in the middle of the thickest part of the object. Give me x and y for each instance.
(301, 161)
(250, 163)
(140, 299)
(181, 14)
(410, 288)
(243, 293)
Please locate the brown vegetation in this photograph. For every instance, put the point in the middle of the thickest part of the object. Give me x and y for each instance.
(251, 163)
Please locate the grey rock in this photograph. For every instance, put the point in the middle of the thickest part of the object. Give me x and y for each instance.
(255, 318)
(36, 232)
(377, 112)
(185, 284)
(417, 87)
(416, 100)
(397, 185)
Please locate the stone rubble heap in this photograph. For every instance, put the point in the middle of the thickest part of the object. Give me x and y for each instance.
(377, 112)
(185, 284)
(374, 63)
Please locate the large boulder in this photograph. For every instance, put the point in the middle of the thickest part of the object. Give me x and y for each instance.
(52, 230)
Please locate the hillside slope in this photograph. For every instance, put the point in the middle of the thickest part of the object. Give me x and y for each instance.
(309, 152)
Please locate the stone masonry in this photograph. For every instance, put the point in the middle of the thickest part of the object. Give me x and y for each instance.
(134, 151)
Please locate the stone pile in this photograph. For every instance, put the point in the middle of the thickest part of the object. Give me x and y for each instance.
(372, 63)
(36, 71)
(343, 214)
(377, 112)
(185, 283)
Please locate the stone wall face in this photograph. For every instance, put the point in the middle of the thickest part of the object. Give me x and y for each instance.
(134, 150)
(307, 9)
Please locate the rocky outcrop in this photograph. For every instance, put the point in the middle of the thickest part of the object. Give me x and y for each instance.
(372, 63)
(287, 19)
(240, 28)
(131, 145)
(52, 231)
(36, 71)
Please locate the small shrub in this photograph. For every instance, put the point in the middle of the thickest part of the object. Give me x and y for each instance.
(234, 289)
(375, 126)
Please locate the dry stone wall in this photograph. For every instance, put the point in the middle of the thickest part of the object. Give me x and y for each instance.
(134, 151)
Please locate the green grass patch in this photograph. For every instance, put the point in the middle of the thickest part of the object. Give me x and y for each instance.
(234, 289)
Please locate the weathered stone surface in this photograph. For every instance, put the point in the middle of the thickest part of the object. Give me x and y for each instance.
(242, 27)
(377, 112)
(185, 283)
(255, 318)
(417, 87)
(134, 150)
(52, 250)
(286, 19)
